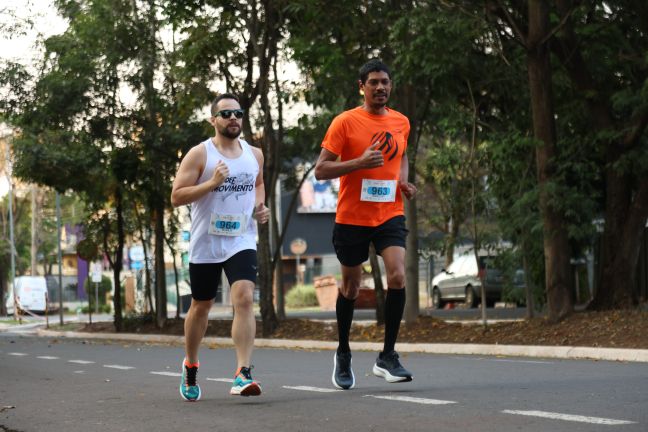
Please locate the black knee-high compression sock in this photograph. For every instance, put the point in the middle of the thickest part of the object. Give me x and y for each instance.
(344, 313)
(394, 306)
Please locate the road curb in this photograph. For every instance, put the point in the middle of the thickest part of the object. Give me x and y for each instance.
(556, 352)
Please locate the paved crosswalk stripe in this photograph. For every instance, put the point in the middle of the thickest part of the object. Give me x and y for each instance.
(225, 380)
(423, 401)
(173, 374)
(118, 367)
(47, 357)
(17, 354)
(569, 417)
(313, 389)
(80, 361)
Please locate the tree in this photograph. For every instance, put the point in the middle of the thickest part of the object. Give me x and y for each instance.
(238, 42)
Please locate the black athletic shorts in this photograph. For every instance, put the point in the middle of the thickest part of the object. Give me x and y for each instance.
(205, 278)
(351, 242)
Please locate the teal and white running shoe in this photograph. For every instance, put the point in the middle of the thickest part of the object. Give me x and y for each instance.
(189, 388)
(243, 384)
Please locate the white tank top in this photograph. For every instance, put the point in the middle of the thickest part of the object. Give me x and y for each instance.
(221, 221)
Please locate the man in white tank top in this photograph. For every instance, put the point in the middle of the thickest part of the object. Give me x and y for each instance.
(222, 179)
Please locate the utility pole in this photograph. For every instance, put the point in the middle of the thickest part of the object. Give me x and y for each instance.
(11, 232)
(60, 256)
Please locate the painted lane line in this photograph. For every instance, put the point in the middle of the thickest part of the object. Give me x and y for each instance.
(79, 372)
(312, 389)
(118, 367)
(48, 357)
(570, 417)
(173, 374)
(422, 401)
(225, 380)
(17, 354)
(80, 361)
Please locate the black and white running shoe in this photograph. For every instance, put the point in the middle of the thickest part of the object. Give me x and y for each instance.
(343, 377)
(387, 366)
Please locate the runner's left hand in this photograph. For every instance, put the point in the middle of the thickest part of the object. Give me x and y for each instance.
(262, 213)
(408, 189)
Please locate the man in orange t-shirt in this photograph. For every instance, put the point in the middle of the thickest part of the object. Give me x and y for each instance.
(366, 147)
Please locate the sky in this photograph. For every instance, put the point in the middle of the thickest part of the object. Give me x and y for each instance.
(22, 47)
(39, 20)
(46, 22)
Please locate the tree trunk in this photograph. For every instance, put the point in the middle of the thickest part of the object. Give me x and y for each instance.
(556, 245)
(268, 316)
(379, 289)
(411, 312)
(118, 263)
(3, 290)
(160, 271)
(624, 225)
(626, 204)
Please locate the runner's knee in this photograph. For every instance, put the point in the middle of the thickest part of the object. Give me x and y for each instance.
(201, 307)
(396, 279)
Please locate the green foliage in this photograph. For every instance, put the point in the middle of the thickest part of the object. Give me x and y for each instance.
(301, 296)
(105, 286)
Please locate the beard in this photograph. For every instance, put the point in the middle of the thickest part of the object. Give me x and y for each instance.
(378, 102)
(231, 131)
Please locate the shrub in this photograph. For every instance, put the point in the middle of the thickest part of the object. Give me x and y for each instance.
(301, 296)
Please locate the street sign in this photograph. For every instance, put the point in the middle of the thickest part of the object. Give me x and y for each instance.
(298, 246)
(95, 272)
(136, 253)
(87, 249)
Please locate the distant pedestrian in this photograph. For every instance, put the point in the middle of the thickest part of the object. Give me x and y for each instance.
(366, 148)
(222, 179)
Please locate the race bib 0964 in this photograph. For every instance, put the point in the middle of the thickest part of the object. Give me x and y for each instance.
(227, 224)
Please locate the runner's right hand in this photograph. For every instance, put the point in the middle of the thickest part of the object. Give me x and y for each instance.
(221, 172)
(372, 158)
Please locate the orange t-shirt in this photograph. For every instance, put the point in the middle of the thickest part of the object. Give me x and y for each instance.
(369, 197)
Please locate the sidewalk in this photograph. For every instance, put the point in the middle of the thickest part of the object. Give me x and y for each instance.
(554, 352)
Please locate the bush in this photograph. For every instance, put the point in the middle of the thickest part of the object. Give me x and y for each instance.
(301, 296)
(104, 308)
(105, 286)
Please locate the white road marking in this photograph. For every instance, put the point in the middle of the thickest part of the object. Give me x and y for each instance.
(81, 361)
(47, 357)
(173, 374)
(18, 354)
(118, 367)
(79, 372)
(313, 389)
(422, 401)
(523, 361)
(569, 417)
(225, 380)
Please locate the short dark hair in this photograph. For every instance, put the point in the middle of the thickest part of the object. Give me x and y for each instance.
(219, 98)
(373, 65)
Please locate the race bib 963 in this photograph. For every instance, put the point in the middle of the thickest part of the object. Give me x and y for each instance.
(378, 190)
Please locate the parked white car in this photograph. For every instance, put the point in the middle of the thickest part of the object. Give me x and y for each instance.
(461, 282)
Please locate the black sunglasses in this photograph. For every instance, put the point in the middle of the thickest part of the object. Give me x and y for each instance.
(238, 113)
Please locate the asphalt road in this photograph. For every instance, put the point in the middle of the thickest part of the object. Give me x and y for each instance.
(68, 385)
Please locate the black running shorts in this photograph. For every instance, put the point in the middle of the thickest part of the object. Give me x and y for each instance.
(205, 278)
(351, 242)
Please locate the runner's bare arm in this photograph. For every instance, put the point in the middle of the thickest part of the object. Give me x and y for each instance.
(408, 189)
(261, 212)
(185, 190)
(329, 166)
